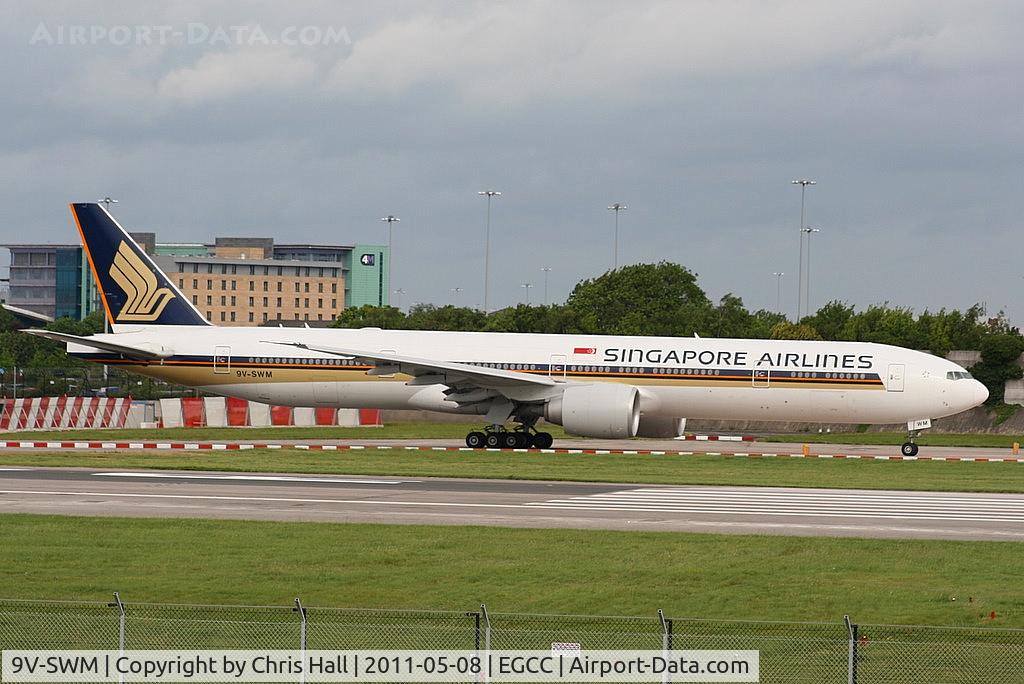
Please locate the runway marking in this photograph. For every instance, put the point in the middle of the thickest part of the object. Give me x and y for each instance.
(832, 504)
(255, 478)
(627, 501)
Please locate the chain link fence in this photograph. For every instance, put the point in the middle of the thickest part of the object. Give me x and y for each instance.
(790, 652)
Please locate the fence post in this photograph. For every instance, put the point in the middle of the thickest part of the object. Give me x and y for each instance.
(666, 641)
(301, 610)
(120, 627)
(851, 651)
(487, 642)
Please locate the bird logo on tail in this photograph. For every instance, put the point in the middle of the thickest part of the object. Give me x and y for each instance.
(145, 300)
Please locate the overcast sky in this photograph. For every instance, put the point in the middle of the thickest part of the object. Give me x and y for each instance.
(308, 121)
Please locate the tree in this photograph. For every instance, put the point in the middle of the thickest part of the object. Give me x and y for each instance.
(534, 319)
(762, 322)
(794, 331)
(999, 354)
(369, 316)
(729, 319)
(831, 320)
(643, 299)
(430, 317)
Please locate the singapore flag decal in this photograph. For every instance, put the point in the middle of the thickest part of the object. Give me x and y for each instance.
(584, 350)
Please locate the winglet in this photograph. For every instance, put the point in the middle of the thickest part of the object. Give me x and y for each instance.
(132, 287)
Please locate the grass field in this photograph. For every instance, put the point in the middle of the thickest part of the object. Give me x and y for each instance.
(457, 431)
(559, 571)
(708, 470)
(897, 438)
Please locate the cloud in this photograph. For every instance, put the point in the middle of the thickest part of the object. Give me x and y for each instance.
(219, 76)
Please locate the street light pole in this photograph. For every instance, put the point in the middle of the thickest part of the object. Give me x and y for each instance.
(399, 292)
(456, 291)
(803, 183)
(527, 286)
(547, 270)
(810, 231)
(487, 248)
(778, 290)
(615, 254)
(390, 220)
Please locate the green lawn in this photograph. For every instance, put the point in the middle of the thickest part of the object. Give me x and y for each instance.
(457, 431)
(551, 571)
(393, 431)
(791, 472)
(897, 438)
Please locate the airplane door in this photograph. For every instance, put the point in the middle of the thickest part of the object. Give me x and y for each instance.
(556, 366)
(221, 359)
(895, 380)
(761, 376)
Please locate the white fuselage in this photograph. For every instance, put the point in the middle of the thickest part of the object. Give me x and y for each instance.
(842, 382)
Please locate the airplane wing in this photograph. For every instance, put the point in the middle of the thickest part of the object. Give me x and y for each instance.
(462, 378)
(102, 345)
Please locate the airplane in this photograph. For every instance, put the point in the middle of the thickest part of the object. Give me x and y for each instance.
(597, 386)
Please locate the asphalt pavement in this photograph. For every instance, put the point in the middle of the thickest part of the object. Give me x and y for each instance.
(512, 503)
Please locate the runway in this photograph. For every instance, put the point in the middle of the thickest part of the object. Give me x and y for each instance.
(513, 503)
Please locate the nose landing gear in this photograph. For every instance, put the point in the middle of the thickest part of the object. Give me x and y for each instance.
(914, 428)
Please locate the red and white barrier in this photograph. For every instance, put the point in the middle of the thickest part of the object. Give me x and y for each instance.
(221, 412)
(64, 412)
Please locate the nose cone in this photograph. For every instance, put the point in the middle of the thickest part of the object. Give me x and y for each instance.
(980, 393)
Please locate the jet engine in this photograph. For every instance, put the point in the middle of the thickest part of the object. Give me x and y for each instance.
(597, 410)
(660, 426)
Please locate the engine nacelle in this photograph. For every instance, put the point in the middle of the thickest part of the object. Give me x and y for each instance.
(597, 410)
(660, 426)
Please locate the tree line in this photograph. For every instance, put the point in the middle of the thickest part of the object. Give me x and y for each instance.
(665, 299)
(662, 299)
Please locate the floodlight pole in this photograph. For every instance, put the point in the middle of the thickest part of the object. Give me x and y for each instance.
(547, 270)
(390, 221)
(810, 231)
(803, 183)
(527, 286)
(778, 290)
(487, 248)
(615, 253)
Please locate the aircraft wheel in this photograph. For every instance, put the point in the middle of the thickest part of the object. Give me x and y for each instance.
(543, 440)
(909, 449)
(475, 440)
(511, 440)
(493, 440)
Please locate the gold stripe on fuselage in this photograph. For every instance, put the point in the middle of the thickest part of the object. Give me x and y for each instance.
(202, 373)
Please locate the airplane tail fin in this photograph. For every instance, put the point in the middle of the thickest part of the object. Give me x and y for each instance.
(134, 290)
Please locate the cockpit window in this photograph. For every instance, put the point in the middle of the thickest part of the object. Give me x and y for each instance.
(958, 375)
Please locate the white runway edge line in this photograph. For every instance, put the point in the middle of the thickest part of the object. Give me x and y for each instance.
(254, 478)
(246, 446)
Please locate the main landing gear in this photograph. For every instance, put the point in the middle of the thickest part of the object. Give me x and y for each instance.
(498, 437)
